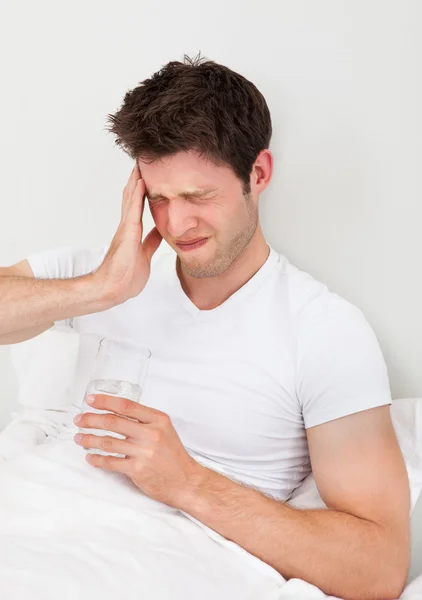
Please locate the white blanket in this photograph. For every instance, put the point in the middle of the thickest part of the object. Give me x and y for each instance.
(70, 531)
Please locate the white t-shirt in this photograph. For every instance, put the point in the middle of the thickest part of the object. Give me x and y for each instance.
(241, 382)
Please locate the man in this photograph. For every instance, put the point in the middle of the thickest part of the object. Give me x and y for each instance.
(257, 370)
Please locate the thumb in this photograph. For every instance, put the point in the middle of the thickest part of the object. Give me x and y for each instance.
(151, 243)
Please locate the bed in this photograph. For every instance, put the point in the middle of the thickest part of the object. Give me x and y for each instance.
(71, 530)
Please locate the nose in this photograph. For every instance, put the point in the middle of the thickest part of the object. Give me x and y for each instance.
(180, 218)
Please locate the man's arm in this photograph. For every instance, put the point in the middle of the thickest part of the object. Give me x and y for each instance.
(358, 548)
(29, 306)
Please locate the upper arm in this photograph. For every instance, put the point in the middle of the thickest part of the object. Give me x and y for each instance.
(359, 469)
(344, 393)
(21, 268)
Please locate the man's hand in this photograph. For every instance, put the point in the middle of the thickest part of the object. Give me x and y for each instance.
(156, 460)
(125, 269)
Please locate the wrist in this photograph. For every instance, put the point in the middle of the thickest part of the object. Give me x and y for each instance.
(188, 499)
(95, 295)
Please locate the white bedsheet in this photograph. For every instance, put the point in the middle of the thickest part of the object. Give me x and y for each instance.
(70, 531)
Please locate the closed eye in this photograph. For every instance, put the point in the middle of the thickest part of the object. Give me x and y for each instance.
(187, 196)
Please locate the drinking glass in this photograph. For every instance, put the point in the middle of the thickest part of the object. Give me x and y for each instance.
(120, 369)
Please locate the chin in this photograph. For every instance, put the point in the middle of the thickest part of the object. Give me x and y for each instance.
(201, 269)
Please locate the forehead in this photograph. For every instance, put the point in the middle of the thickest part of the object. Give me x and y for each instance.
(184, 170)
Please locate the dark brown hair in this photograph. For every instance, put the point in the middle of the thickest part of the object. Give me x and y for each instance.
(195, 105)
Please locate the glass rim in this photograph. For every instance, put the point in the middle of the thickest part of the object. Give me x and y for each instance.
(146, 351)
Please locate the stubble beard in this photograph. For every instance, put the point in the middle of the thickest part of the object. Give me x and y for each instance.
(225, 257)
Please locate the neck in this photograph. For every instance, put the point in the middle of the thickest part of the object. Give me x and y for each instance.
(210, 292)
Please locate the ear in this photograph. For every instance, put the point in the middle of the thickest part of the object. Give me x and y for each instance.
(262, 171)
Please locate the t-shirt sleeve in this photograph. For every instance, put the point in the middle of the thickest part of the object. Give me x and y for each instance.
(340, 366)
(64, 263)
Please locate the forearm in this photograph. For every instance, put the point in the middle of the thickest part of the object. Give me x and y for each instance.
(341, 554)
(27, 302)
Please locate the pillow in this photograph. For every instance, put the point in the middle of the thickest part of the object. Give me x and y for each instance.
(406, 415)
(44, 368)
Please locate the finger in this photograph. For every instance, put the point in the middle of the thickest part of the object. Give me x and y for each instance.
(129, 188)
(125, 407)
(136, 204)
(108, 443)
(110, 422)
(151, 243)
(133, 179)
(111, 463)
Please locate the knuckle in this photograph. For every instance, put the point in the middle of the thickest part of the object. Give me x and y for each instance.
(164, 420)
(125, 405)
(149, 453)
(110, 421)
(138, 468)
(106, 443)
(156, 436)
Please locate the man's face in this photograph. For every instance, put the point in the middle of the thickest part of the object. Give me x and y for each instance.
(191, 198)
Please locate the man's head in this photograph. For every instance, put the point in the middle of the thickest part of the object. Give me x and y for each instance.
(200, 134)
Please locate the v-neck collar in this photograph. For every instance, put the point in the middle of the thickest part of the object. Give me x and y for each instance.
(237, 296)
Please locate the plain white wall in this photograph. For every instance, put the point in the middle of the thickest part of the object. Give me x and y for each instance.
(343, 82)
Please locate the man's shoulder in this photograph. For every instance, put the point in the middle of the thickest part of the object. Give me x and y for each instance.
(66, 261)
(310, 298)
(89, 258)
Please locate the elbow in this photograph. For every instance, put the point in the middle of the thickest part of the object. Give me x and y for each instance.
(388, 580)
(395, 588)
(388, 590)
(393, 566)
(390, 586)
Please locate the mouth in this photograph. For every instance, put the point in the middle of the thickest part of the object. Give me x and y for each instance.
(191, 245)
